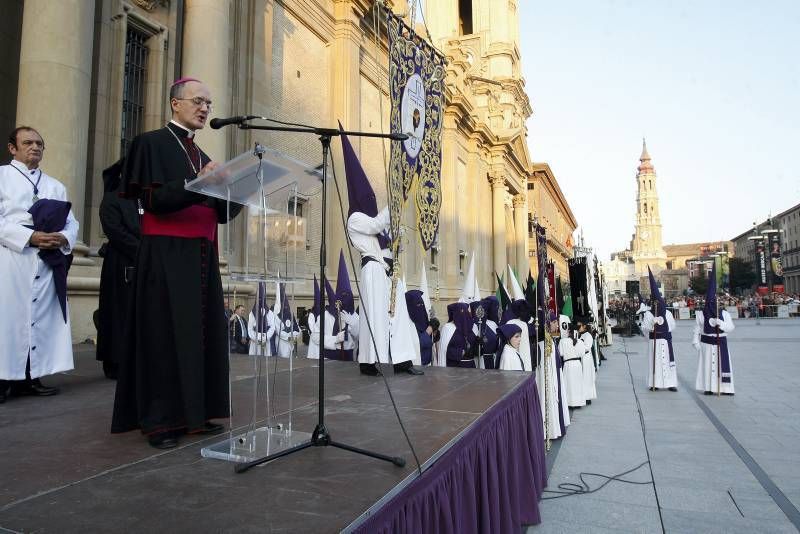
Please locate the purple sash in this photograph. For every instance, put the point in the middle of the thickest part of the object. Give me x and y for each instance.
(725, 359)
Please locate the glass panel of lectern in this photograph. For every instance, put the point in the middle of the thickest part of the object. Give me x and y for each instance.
(267, 245)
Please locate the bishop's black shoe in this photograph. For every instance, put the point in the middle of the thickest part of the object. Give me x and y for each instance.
(673, 389)
(728, 394)
(414, 371)
(588, 402)
(369, 369)
(708, 393)
(163, 440)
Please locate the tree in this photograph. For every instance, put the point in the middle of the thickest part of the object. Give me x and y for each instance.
(742, 275)
(699, 284)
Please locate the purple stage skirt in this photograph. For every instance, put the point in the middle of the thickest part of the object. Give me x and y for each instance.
(489, 481)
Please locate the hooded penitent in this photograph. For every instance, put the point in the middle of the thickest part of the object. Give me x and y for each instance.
(423, 286)
(287, 320)
(315, 309)
(360, 195)
(344, 291)
(470, 292)
(416, 309)
(711, 308)
(516, 289)
(260, 309)
(659, 304)
(492, 307)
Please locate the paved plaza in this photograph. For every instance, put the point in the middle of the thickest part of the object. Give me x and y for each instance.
(720, 464)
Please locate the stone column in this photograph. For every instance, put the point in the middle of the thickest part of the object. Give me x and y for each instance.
(55, 73)
(205, 57)
(498, 182)
(521, 231)
(345, 106)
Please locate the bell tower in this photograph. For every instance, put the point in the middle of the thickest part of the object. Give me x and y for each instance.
(646, 245)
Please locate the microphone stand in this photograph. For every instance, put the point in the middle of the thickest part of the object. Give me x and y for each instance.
(320, 437)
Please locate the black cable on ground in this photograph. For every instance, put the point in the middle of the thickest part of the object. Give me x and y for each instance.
(570, 489)
(644, 435)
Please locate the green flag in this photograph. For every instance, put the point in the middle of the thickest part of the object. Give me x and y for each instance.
(567, 309)
(502, 293)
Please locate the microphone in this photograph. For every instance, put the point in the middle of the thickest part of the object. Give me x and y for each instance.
(216, 124)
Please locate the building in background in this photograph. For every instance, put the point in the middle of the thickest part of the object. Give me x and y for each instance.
(645, 246)
(779, 238)
(554, 214)
(92, 74)
(679, 254)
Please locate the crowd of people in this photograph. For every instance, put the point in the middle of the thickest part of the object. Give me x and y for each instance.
(748, 305)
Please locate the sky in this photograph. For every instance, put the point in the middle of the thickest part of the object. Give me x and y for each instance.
(714, 86)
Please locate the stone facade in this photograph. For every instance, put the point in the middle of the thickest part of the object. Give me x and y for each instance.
(552, 212)
(304, 61)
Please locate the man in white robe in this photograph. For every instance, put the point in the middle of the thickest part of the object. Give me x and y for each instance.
(584, 347)
(657, 328)
(659, 351)
(547, 382)
(285, 323)
(368, 229)
(313, 324)
(341, 326)
(511, 340)
(712, 326)
(35, 338)
(261, 325)
(573, 367)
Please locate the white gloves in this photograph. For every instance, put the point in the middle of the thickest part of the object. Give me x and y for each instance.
(713, 321)
(340, 337)
(659, 320)
(696, 345)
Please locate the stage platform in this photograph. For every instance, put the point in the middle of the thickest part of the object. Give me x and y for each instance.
(62, 471)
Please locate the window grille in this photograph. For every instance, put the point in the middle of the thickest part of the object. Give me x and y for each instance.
(133, 96)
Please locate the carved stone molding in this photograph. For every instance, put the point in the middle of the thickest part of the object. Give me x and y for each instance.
(150, 5)
(497, 180)
(519, 201)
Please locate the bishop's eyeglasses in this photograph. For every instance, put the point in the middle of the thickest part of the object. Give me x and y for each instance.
(198, 101)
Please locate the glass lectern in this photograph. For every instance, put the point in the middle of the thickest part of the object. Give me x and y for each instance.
(272, 251)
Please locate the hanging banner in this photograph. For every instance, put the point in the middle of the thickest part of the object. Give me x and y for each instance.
(579, 287)
(776, 266)
(543, 295)
(761, 268)
(416, 81)
(551, 287)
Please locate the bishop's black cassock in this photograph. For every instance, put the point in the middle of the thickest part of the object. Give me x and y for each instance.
(174, 373)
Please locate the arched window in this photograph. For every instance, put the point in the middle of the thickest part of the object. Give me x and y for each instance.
(645, 208)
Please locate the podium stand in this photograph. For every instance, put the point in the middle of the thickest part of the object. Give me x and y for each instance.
(224, 185)
(273, 188)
